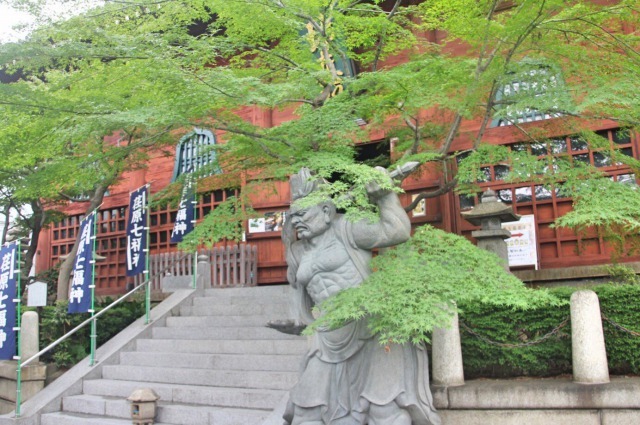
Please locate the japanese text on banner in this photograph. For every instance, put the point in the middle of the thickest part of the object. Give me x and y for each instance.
(185, 215)
(8, 283)
(137, 232)
(80, 292)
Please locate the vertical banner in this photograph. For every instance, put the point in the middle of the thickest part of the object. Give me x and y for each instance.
(186, 213)
(80, 293)
(8, 285)
(137, 232)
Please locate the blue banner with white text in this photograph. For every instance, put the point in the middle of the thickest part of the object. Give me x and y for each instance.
(186, 213)
(80, 292)
(137, 232)
(8, 283)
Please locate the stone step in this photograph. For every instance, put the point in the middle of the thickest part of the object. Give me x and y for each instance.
(243, 398)
(178, 414)
(226, 333)
(220, 378)
(221, 321)
(279, 309)
(88, 404)
(248, 291)
(535, 417)
(292, 346)
(286, 363)
(452, 417)
(64, 418)
(200, 415)
(240, 300)
(264, 290)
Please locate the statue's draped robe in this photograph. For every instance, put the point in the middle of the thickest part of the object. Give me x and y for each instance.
(346, 369)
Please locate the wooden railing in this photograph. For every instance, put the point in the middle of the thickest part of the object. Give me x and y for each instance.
(235, 265)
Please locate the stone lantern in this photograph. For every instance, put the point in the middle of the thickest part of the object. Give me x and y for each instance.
(143, 406)
(490, 214)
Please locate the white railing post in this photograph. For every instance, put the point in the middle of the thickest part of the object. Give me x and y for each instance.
(588, 352)
(30, 334)
(203, 279)
(446, 355)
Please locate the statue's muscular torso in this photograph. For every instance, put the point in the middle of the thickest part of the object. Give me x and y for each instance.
(325, 269)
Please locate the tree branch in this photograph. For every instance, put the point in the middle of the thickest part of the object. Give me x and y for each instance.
(69, 111)
(374, 66)
(432, 194)
(453, 130)
(417, 136)
(256, 137)
(197, 77)
(487, 116)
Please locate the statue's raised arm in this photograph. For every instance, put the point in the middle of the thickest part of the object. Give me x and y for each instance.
(394, 226)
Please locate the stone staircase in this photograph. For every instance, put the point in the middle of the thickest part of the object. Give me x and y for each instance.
(214, 363)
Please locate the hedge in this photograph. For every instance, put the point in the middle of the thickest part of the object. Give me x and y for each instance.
(553, 356)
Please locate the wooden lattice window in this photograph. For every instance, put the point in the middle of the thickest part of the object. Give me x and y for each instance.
(558, 247)
(195, 153)
(531, 83)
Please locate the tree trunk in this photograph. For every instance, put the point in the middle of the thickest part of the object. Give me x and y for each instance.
(37, 223)
(5, 227)
(67, 265)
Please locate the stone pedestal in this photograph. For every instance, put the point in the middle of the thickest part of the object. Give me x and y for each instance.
(589, 356)
(33, 378)
(446, 355)
(33, 375)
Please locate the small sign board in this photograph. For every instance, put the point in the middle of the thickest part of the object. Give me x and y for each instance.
(421, 208)
(522, 245)
(271, 222)
(37, 294)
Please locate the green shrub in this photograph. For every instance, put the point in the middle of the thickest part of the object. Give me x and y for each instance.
(622, 273)
(620, 304)
(553, 356)
(55, 322)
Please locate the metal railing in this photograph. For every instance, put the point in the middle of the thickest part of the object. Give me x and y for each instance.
(228, 266)
(93, 321)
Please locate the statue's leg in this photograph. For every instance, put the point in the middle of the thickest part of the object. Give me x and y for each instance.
(389, 414)
(307, 416)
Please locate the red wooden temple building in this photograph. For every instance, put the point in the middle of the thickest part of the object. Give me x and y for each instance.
(560, 253)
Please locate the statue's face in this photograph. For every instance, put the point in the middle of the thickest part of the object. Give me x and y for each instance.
(311, 222)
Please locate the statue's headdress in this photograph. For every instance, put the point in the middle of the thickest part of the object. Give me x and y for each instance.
(303, 183)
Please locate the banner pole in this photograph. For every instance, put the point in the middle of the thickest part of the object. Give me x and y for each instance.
(195, 254)
(147, 257)
(18, 323)
(94, 324)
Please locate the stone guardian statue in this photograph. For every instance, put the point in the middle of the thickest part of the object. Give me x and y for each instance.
(347, 377)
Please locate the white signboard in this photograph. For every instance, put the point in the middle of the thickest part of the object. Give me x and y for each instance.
(522, 243)
(271, 222)
(37, 294)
